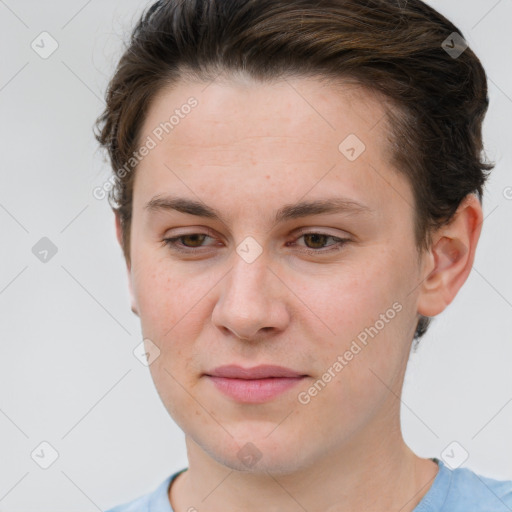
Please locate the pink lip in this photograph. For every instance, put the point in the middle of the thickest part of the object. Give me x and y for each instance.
(254, 385)
(263, 371)
(254, 390)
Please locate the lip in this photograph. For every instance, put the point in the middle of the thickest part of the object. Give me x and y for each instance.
(254, 385)
(263, 371)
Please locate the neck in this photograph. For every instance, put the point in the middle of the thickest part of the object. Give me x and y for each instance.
(366, 473)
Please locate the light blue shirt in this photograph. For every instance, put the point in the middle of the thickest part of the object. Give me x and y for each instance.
(459, 490)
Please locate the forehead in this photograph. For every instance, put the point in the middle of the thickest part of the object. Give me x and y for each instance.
(303, 108)
(302, 136)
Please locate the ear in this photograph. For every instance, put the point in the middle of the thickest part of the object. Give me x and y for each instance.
(449, 262)
(119, 236)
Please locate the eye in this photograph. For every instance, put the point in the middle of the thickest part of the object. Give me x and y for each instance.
(315, 242)
(318, 240)
(192, 241)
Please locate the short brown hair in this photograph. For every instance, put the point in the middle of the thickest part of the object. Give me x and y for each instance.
(392, 47)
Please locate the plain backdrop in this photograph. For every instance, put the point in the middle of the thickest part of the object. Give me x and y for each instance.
(68, 374)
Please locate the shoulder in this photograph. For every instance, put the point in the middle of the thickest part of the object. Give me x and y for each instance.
(471, 491)
(140, 504)
(154, 501)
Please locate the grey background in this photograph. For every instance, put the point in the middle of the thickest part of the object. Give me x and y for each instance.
(68, 374)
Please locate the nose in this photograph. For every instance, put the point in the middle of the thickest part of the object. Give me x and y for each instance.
(252, 301)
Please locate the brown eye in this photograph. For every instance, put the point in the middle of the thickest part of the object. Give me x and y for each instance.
(186, 243)
(192, 240)
(316, 243)
(316, 239)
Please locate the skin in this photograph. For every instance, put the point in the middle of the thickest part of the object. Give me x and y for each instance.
(246, 150)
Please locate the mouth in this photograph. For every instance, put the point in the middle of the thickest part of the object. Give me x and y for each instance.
(254, 385)
(263, 371)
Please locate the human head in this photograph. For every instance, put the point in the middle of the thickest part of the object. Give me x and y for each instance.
(262, 132)
(391, 47)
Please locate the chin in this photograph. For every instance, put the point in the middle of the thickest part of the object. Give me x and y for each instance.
(261, 456)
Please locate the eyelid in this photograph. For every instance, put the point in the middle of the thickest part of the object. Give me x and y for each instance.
(319, 231)
(189, 230)
(338, 245)
(172, 241)
(300, 231)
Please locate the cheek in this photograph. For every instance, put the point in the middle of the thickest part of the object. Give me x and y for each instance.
(366, 309)
(171, 306)
(163, 295)
(352, 298)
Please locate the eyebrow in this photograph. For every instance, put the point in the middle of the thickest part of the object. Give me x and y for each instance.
(287, 212)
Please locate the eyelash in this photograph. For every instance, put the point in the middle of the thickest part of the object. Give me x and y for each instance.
(340, 242)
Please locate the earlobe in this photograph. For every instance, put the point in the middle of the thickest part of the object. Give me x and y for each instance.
(119, 231)
(133, 303)
(132, 297)
(451, 258)
(119, 236)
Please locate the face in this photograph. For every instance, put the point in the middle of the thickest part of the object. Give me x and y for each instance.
(324, 293)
